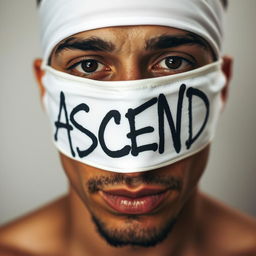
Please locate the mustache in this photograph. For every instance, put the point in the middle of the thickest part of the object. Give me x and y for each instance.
(100, 182)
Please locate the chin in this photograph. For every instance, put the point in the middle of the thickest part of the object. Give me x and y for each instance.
(134, 231)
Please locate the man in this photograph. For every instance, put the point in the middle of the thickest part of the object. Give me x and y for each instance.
(133, 92)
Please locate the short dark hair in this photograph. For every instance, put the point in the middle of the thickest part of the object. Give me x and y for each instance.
(224, 3)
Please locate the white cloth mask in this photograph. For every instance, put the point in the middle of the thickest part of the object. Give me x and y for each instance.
(133, 126)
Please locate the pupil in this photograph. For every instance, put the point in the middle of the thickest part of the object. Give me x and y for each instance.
(89, 66)
(173, 62)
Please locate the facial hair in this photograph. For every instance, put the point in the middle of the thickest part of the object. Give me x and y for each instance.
(133, 234)
(98, 183)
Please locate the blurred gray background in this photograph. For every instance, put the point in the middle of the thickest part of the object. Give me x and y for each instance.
(30, 173)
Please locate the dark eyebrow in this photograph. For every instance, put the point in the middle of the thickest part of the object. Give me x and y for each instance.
(169, 41)
(88, 44)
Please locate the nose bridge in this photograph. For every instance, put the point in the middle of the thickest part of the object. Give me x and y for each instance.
(130, 68)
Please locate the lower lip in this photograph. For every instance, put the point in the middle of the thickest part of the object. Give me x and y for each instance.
(139, 205)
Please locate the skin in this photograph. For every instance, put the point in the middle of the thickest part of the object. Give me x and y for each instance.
(204, 226)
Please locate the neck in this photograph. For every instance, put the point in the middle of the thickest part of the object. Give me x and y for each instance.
(85, 240)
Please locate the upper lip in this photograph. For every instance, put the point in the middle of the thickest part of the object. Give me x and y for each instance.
(135, 194)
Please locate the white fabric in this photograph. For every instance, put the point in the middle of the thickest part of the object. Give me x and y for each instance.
(87, 103)
(63, 18)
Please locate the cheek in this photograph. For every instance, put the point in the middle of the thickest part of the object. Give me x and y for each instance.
(195, 166)
(77, 174)
(200, 161)
(189, 170)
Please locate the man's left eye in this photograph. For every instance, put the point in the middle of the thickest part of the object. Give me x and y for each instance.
(174, 63)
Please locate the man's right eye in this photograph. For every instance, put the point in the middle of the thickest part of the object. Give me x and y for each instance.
(87, 67)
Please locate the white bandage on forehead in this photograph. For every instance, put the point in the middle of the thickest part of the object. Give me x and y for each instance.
(63, 18)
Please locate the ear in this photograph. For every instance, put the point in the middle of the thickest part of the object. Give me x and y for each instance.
(39, 75)
(227, 68)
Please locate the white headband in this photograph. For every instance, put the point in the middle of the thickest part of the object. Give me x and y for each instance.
(63, 18)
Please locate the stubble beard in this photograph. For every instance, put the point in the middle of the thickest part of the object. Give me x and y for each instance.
(134, 234)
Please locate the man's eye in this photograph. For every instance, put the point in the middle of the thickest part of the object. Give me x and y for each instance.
(87, 67)
(175, 64)
(172, 62)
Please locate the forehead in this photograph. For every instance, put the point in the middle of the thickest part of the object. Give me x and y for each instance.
(131, 36)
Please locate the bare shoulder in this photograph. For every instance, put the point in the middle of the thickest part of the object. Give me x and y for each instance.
(228, 228)
(27, 233)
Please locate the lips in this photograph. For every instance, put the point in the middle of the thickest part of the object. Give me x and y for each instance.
(140, 202)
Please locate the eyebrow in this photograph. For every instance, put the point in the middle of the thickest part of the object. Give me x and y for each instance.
(88, 44)
(169, 41)
(155, 43)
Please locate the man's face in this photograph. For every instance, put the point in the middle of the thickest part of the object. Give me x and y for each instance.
(133, 208)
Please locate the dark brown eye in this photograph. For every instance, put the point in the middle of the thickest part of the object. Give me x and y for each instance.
(173, 62)
(89, 66)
